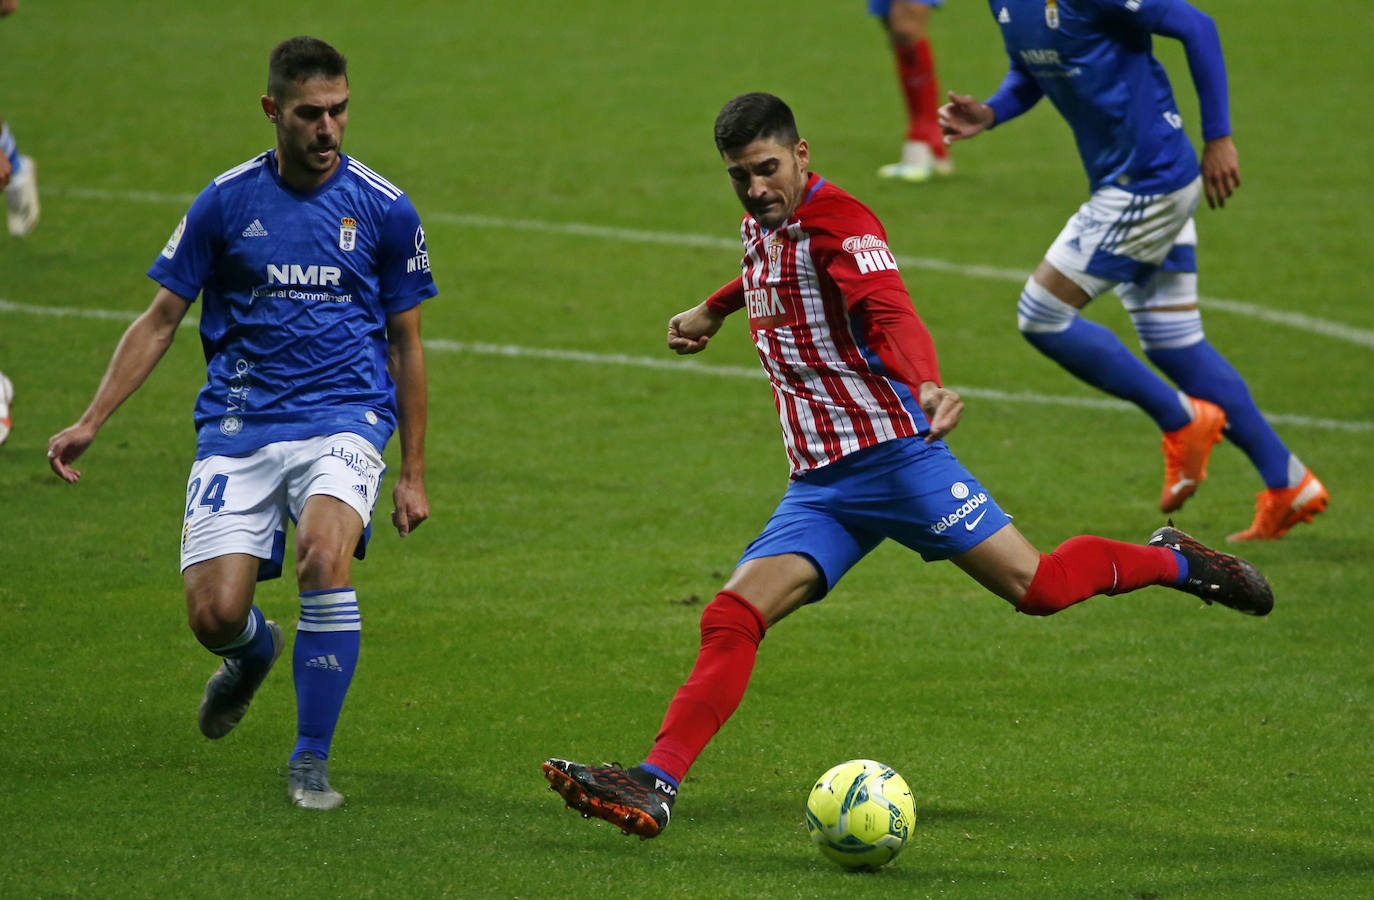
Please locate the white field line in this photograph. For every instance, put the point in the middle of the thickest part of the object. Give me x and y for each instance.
(674, 364)
(1363, 337)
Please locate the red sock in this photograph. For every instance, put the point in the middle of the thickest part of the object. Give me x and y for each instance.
(921, 90)
(731, 629)
(1084, 566)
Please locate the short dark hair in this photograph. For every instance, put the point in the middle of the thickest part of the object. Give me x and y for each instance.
(296, 59)
(749, 117)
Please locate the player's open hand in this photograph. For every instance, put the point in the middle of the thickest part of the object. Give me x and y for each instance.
(942, 407)
(963, 117)
(1220, 170)
(65, 446)
(411, 506)
(690, 331)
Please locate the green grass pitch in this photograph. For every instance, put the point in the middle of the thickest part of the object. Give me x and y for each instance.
(590, 491)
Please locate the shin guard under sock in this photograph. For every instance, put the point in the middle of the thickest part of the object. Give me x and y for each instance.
(731, 629)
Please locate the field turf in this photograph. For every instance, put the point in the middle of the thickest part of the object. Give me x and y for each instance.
(590, 491)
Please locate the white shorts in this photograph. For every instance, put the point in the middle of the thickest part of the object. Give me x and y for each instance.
(240, 504)
(1119, 237)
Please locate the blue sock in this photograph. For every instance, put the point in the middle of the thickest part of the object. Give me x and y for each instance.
(659, 773)
(325, 655)
(9, 147)
(1203, 372)
(1096, 355)
(1182, 566)
(253, 647)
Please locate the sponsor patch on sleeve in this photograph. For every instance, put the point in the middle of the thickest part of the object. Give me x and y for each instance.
(870, 253)
(172, 242)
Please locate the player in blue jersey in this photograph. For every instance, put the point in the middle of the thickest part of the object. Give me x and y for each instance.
(311, 269)
(18, 173)
(1135, 234)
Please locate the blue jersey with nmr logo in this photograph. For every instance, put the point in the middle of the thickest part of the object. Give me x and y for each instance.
(295, 291)
(1093, 59)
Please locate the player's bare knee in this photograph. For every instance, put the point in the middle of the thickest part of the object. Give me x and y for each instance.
(907, 23)
(321, 564)
(216, 618)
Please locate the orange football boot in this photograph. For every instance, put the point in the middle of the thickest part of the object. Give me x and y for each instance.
(1186, 451)
(1279, 509)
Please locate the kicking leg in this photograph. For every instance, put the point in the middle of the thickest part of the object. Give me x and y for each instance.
(1041, 584)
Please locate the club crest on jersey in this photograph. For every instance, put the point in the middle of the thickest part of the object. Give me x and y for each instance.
(870, 253)
(1052, 13)
(348, 233)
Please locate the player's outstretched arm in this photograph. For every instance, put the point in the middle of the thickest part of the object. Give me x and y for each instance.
(1220, 170)
(964, 117)
(406, 363)
(690, 330)
(138, 351)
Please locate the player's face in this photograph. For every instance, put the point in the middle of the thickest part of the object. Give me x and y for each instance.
(310, 123)
(769, 178)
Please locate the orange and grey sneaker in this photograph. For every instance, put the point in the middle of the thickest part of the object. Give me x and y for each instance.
(1186, 451)
(1279, 509)
(633, 800)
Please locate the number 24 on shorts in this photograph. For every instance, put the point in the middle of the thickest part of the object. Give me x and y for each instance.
(213, 496)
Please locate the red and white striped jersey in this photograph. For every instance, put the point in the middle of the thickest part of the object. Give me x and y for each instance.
(803, 289)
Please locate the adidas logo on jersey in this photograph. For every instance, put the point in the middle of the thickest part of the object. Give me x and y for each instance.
(1004, 17)
(255, 230)
(329, 663)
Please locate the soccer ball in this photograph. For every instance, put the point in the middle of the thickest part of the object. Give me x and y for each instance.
(860, 813)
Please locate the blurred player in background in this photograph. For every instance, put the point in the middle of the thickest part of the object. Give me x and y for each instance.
(858, 393)
(6, 395)
(312, 268)
(19, 180)
(1136, 233)
(18, 174)
(924, 153)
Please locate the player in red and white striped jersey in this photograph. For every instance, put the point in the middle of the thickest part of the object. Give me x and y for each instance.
(858, 391)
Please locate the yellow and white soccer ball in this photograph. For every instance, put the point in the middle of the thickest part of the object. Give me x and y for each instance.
(860, 814)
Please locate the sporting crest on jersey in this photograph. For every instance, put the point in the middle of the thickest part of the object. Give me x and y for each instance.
(348, 233)
(1052, 13)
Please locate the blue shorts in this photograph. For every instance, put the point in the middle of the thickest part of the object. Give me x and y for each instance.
(883, 7)
(916, 493)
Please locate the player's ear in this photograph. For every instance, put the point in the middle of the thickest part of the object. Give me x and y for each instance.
(269, 107)
(803, 154)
